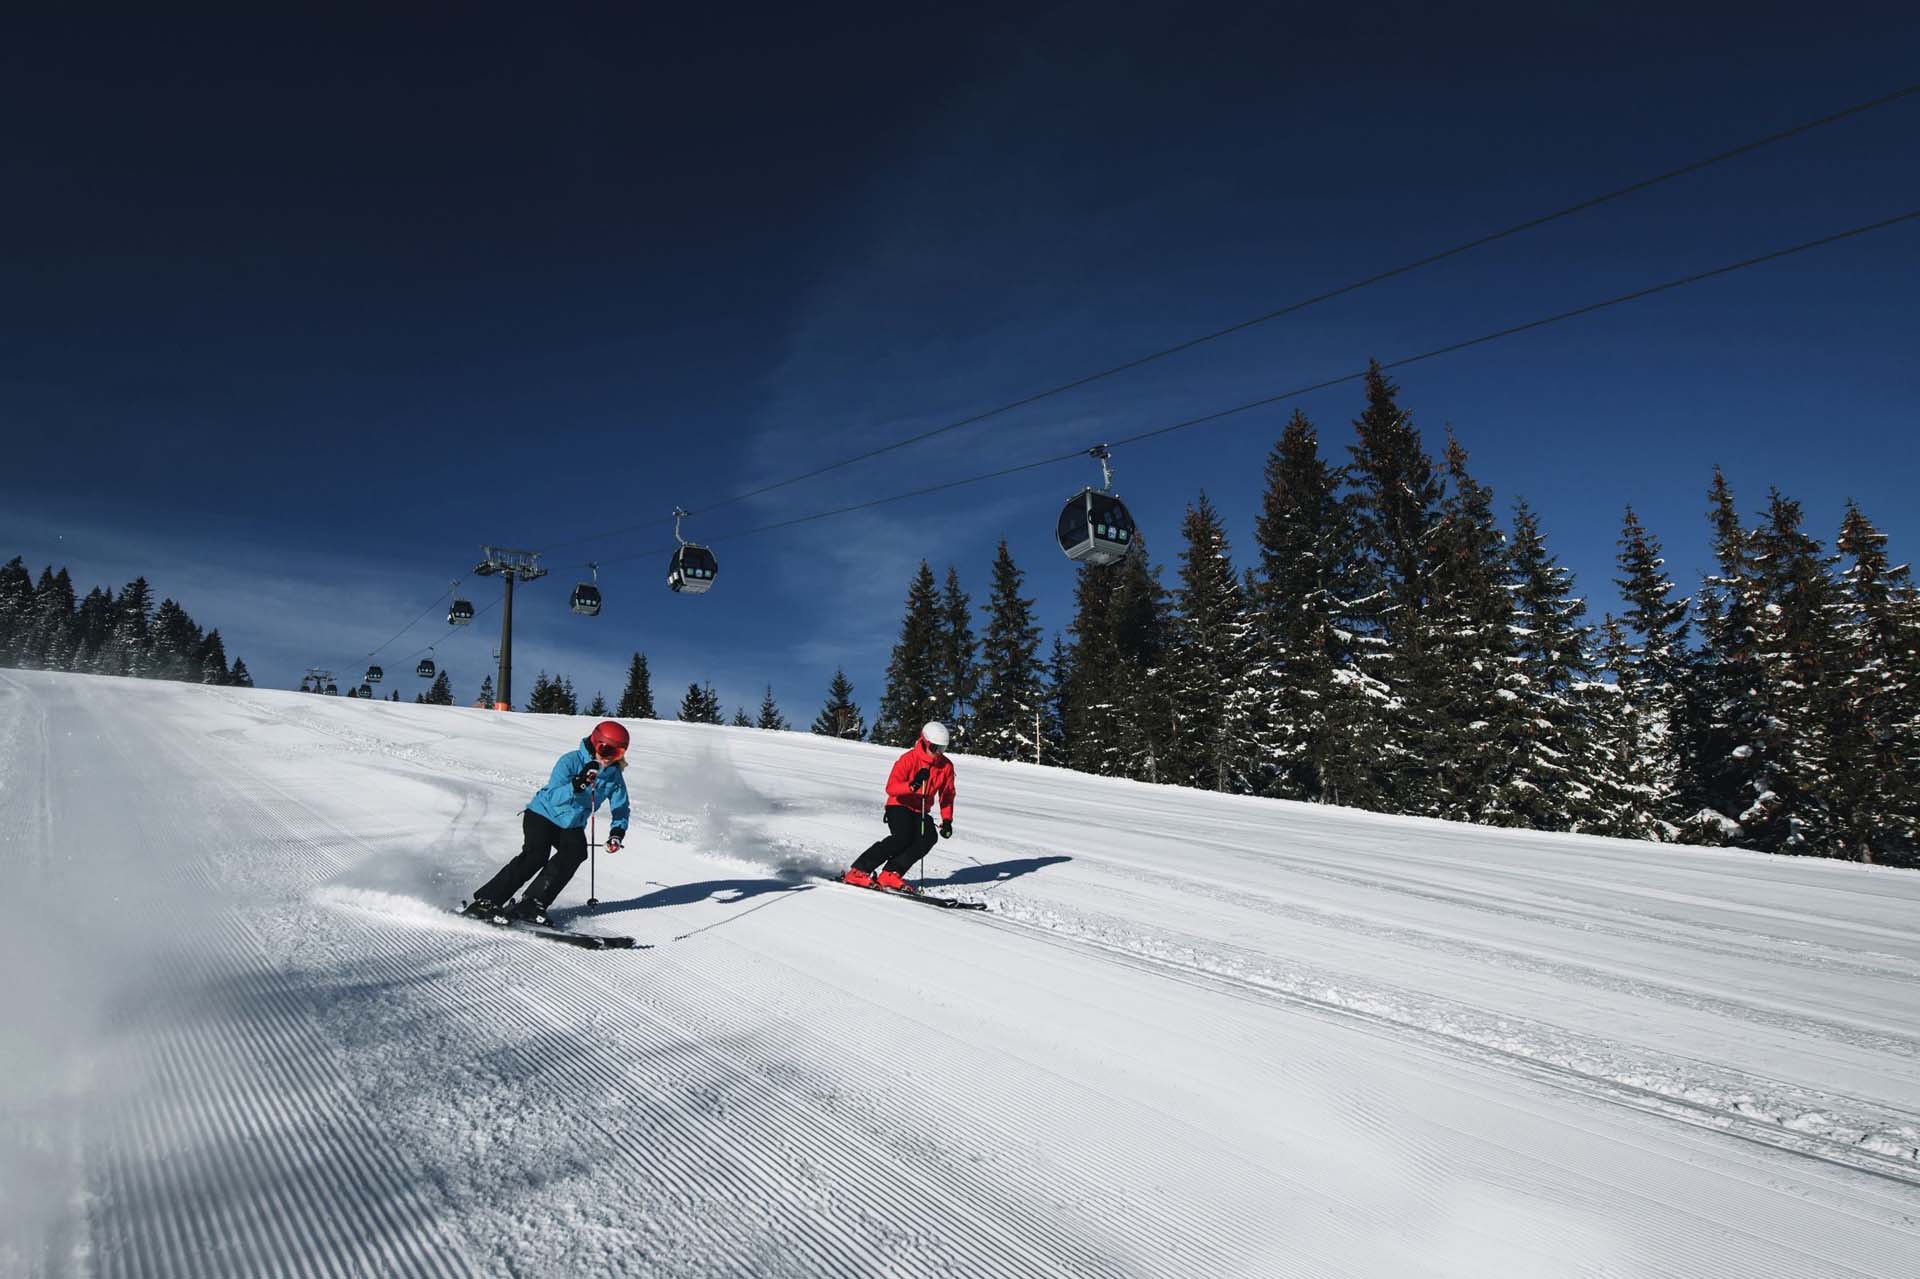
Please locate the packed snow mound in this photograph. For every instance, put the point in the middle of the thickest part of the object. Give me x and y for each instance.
(1192, 1034)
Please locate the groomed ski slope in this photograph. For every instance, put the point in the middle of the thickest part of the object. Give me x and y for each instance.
(1195, 1035)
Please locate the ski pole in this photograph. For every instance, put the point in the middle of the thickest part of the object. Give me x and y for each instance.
(593, 854)
(925, 821)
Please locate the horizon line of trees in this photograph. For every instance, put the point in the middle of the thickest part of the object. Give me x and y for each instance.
(45, 625)
(699, 705)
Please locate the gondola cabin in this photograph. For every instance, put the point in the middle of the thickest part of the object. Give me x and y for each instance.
(692, 569)
(425, 669)
(333, 690)
(375, 675)
(460, 614)
(1095, 528)
(586, 600)
(366, 690)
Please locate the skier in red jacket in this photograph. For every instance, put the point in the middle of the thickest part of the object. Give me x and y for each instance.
(920, 776)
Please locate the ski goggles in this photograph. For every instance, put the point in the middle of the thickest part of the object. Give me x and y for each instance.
(610, 752)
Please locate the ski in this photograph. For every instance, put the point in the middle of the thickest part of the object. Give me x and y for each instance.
(565, 936)
(944, 903)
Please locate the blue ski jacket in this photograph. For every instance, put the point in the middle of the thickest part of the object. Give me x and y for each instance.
(569, 809)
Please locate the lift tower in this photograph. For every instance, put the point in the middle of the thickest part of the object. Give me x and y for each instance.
(511, 565)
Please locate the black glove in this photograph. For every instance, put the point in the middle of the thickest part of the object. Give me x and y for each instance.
(920, 779)
(615, 838)
(585, 777)
(946, 829)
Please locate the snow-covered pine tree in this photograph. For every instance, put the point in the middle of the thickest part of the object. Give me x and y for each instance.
(50, 645)
(93, 625)
(1552, 770)
(1011, 686)
(1119, 719)
(211, 659)
(552, 696)
(1477, 725)
(1140, 622)
(1628, 762)
(1726, 681)
(917, 671)
(28, 638)
(1396, 510)
(598, 706)
(960, 663)
(1877, 730)
(1903, 849)
(770, 716)
(701, 705)
(1055, 747)
(16, 609)
(693, 706)
(740, 718)
(1315, 720)
(1801, 688)
(441, 692)
(1665, 684)
(33, 637)
(1094, 723)
(129, 649)
(1211, 744)
(840, 717)
(66, 648)
(176, 643)
(636, 699)
(241, 678)
(487, 698)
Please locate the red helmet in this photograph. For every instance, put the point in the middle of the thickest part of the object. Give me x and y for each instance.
(608, 740)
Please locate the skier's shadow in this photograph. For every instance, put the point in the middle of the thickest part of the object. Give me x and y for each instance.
(725, 891)
(997, 872)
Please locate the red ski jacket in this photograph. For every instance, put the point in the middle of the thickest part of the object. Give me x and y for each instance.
(900, 792)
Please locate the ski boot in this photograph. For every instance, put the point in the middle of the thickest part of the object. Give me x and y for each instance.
(857, 877)
(528, 910)
(481, 908)
(893, 883)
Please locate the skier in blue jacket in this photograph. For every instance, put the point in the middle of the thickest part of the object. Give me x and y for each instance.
(556, 821)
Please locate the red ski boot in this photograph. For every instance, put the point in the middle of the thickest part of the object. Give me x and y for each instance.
(857, 877)
(893, 883)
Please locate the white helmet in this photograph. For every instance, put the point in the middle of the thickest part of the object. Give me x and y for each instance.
(934, 733)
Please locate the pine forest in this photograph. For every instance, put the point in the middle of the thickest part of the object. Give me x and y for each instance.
(1392, 645)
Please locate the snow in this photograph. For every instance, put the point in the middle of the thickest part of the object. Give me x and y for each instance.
(1713, 818)
(1195, 1034)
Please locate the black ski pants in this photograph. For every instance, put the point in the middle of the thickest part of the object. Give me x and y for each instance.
(569, 849)
(909, 836)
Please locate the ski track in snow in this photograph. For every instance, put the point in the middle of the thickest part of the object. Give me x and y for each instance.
(1872, 1137)
(1194, 1035)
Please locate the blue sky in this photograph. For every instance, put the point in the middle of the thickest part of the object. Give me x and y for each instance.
(303, 310)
